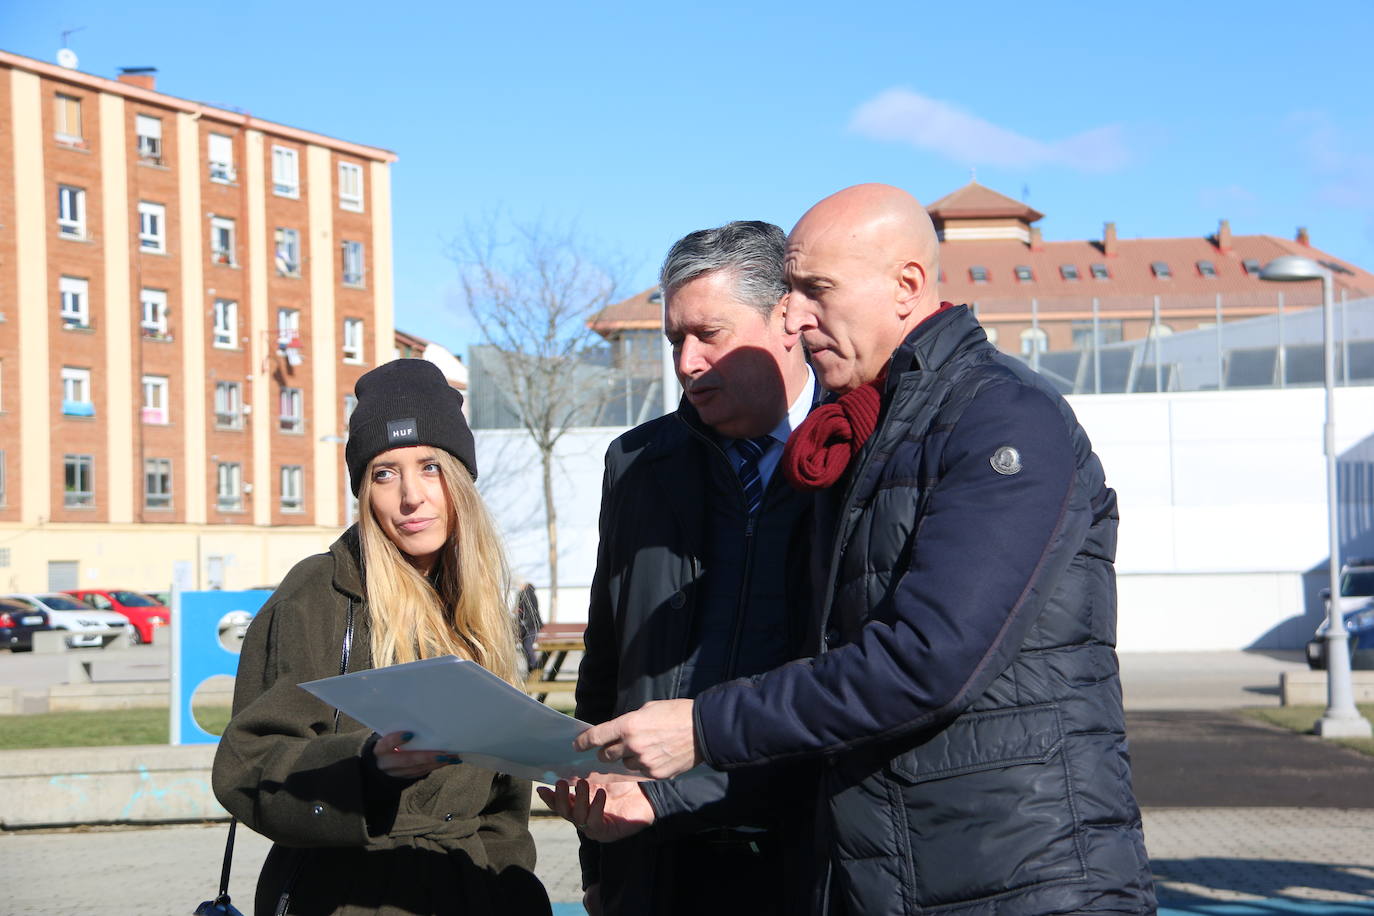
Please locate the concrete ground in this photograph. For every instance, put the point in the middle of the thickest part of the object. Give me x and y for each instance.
(1241, 819)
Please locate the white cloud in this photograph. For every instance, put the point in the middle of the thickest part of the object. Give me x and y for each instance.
(905, 116)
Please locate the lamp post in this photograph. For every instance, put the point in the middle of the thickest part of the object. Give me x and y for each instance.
(1342, 719)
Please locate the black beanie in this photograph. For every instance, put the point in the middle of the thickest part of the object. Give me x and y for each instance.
(406, 402)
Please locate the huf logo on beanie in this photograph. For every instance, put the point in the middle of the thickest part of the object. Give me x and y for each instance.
(402, 432)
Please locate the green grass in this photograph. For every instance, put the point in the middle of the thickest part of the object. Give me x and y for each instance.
(99, 728)
(1301, 718)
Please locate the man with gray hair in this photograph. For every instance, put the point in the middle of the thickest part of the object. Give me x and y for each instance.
(699, 579)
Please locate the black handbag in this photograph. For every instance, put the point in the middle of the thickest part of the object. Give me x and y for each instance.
(221, 905)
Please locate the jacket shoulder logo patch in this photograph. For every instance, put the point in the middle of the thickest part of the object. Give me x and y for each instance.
(1006, 461)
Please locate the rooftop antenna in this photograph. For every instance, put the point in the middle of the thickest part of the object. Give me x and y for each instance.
(973, 175)
(66, 57)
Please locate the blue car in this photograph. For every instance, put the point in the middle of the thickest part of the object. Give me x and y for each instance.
(18, 623)
(1357, 606)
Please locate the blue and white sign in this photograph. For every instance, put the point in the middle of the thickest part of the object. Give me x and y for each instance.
(198, 649)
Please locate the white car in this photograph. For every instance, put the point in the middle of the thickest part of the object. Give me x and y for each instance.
(68, 613)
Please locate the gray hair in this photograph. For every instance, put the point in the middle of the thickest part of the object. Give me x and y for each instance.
(752, 251)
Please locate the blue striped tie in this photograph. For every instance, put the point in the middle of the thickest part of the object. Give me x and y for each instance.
(751, 450)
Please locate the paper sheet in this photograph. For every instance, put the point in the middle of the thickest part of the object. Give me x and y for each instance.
(458, 706)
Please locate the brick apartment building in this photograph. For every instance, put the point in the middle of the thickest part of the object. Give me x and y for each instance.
(1026, 289)
(187, 296)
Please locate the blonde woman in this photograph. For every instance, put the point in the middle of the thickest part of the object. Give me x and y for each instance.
(363, 823)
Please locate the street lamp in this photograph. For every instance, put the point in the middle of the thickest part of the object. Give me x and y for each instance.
(1342, 719)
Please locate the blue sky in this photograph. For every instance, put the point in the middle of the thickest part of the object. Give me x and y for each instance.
(641, 122)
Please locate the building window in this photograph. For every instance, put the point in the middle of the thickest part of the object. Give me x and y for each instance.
(157, 483)
(226, 330)
(353, 263)
(1024, 274)
(288, 252)
(155, 400)
(78, 480)
(75, 309)
(67, 118)
(1033, 340)
(1109, 332)
(1206, 269)
(154, 321)
(148, 132)
(4, 501)
(289, 328)
(286, 172)
(76, 392)
(1068, 271)
(222, 158)
(152, 226)
(292, 488)
(353, 340)
(228, 405)
(1161, 330)
(229, 486)
(350, 402)
(222, 240)
(1161, 270)
(978, 274)
(1252, 266)
(1100, 272)
(71, 212)
(351, 186)
(991, 333)
(290, 420)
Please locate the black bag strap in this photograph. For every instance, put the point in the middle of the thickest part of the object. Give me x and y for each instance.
(222, 898)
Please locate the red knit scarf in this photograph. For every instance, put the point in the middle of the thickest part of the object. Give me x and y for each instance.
(819, 450)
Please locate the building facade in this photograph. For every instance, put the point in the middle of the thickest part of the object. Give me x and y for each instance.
(187, 296)
(1034, 296)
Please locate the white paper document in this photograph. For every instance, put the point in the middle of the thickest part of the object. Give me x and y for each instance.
(458, 706)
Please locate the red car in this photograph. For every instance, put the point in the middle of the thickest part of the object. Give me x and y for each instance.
(145, 614)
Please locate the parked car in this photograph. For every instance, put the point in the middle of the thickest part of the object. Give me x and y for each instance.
(162, 598)
(1357, 607)
(67, 613)
(143, 612)
(18, 623)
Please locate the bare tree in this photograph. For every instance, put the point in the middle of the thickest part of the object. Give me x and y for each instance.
(531, 288)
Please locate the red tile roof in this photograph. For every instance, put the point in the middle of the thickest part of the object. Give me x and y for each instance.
(974, 201)
(637, 313)
(1132, 283)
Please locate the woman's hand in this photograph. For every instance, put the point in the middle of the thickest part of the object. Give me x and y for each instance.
(603, 811)
(408, 763)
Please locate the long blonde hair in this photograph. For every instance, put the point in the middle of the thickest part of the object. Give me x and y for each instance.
(463, 611)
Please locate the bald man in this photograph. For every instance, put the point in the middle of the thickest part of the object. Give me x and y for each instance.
(964, 698)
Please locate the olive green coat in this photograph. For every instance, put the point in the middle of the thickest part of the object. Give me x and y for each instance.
(349, 839)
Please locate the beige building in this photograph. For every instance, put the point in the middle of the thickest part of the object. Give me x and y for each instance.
(187, 296)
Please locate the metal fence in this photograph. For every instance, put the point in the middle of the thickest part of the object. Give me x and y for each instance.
(1278, 350)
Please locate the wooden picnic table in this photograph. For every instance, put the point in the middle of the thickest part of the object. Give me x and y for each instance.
(553, 643)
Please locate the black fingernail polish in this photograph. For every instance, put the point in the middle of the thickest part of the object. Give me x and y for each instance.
(407, 736)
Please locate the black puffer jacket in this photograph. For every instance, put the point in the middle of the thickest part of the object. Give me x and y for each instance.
(966, 698)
